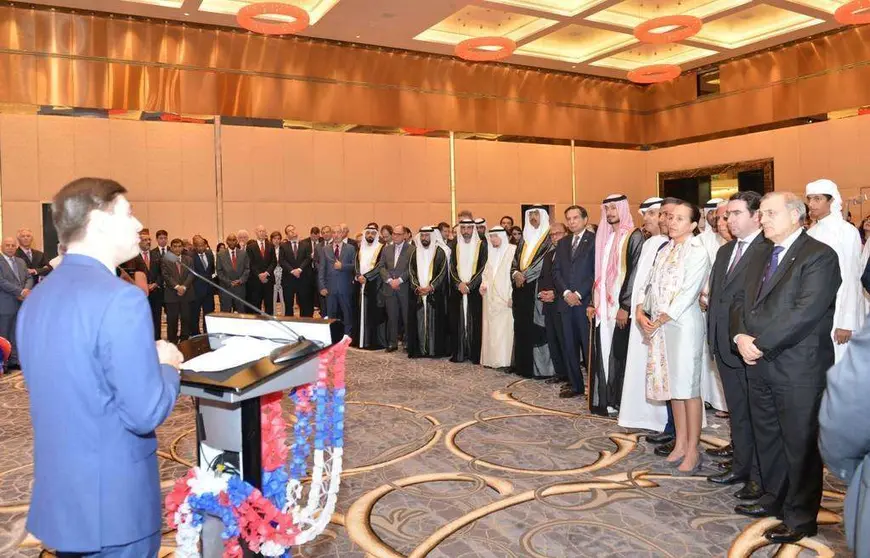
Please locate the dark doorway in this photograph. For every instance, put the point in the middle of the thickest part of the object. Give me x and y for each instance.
(695, 190)
(699, 185)
(49, 234)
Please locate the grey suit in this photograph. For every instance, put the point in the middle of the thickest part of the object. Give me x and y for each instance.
(227, 274)
(10, 289)
(395, 301)
(844, 436)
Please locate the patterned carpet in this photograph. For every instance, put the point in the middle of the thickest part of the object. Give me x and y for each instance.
(453, 460)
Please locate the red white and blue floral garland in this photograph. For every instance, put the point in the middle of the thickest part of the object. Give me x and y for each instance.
(275, 519)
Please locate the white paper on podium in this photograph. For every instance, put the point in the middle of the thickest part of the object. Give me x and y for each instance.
(235, 351)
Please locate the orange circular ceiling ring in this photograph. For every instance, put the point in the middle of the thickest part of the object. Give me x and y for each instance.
(655, 73)
(247, 18)
(684, 27)
(485, 49)
(847, 14)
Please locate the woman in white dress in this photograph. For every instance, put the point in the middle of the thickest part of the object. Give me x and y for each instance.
(497, 340)
(672, 320)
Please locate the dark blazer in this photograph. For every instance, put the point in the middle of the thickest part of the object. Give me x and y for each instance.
(337, 281)
(390, 269)
(302, 260)
(39, 261)
(723, 289)
(258, 263)
(154, 273)
(11, 286)
(172, 278)
(575, 273)
(200, 287)
(791, 317)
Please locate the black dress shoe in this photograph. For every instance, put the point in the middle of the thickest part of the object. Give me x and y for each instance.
(568, 393)
(750, 491)
(727, 451)
(391, 349)
(783, 534)
(756, 510)
(726, 478)
(664, 450)
(724, 465)
(660, 438)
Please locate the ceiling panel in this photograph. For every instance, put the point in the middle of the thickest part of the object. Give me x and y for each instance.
(576, 43)
(582, 36)
(753, 25)
(632, 13)
(647, 55)
(477, 21)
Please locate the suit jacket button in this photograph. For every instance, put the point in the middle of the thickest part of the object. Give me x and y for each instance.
(753, 312)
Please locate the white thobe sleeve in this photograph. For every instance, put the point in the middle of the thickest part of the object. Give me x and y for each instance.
(849, 313)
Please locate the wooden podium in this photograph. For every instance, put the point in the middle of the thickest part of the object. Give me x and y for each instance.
(227, 402)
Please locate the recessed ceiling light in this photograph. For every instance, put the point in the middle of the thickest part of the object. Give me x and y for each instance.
(186, 13)
(357, 36)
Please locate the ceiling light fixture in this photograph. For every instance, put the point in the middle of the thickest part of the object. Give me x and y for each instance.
(681, 27)
(655, 73)
(856, 12)
(485, 49)
(247, 18)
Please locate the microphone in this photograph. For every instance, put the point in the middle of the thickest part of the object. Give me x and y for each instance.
(300, 345)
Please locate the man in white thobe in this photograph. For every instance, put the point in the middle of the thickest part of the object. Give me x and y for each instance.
(826, 211)
(498, 321)
(636, 411)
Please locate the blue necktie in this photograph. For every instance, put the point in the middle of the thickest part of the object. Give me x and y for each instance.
(772, 264)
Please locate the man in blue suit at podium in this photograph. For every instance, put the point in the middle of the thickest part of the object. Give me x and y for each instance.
(98, 386)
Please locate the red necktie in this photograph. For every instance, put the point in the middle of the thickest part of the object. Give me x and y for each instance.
(147, 257)
(263, 249)
(178, 267)
(337, 256)
(294, 249)
(233, 258)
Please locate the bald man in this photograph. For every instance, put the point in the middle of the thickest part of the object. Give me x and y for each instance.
(15, 285)
(37, 263)
(261, 280)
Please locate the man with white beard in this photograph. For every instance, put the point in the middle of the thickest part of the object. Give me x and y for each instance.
(465, 306)
(498, 321)
(636, 411)
(426, 330)
(826, 211)
(370, 316)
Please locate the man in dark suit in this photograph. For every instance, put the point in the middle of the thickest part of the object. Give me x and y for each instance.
(150, 263)
(574, 277)
(232, 274)
(318, 241)
(552, 318)
(728, 276)
(261, 281)
(395, 259)
(296, 273)
(203, 293)
(782, 321)
(36, 262)
(157, 253)
(15, 285)
(177, 292)
(336, 278)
